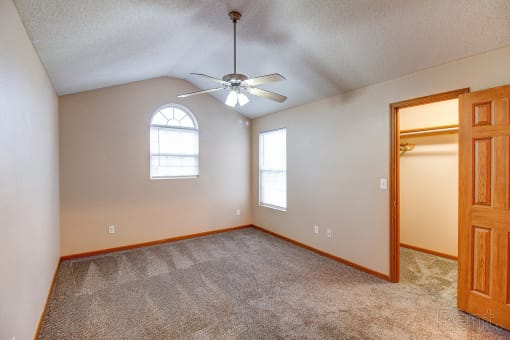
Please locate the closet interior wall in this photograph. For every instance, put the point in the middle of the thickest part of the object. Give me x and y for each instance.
(429, 179)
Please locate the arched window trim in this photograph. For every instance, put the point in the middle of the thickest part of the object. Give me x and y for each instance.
(177, 106)
(173, 127)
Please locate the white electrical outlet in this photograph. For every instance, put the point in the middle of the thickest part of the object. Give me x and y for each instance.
(330, 233)
(111, 229)
(238, 212)
(315, 229)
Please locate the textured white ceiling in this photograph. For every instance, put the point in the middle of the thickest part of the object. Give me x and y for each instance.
(322, 47)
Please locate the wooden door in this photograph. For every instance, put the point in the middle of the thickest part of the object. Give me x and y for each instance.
(484, 205)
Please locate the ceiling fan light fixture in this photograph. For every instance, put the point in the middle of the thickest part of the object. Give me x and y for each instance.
(242, 99)
(231, 99)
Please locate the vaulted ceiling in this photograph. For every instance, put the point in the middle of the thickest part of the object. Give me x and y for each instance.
(322, 47)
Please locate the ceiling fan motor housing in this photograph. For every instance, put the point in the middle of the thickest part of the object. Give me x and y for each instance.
(234, 78)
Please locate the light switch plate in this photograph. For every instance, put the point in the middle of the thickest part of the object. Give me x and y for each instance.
(383, 183)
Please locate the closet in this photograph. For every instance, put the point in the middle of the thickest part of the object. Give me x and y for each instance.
(429, 178)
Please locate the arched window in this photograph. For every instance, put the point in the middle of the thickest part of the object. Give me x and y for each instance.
(173, 143)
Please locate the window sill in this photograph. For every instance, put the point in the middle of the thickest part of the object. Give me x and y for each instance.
(274, 207)
(173, 177)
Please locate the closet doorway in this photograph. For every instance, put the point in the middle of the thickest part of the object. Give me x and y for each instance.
(483, 199)
(424, 191)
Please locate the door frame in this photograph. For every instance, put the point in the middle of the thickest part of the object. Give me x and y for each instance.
(394, 180)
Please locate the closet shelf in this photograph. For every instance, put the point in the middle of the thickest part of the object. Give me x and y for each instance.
(430, 131)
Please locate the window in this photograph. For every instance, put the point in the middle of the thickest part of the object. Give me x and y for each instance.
(273, 169)
(173, 143)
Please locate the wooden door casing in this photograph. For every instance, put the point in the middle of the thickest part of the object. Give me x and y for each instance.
(394, 183)
(484, 205)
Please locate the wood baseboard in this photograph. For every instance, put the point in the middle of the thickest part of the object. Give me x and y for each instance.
(431, 252)
(41, 318)
(328, 255)
(150, 243)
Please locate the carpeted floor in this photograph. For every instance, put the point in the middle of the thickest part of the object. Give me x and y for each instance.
(437, 275)
(244, 284)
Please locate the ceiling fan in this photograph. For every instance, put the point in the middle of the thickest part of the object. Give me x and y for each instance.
(237, 83)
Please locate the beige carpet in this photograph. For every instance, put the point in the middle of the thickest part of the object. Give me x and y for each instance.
(437, 275)
(243, 284)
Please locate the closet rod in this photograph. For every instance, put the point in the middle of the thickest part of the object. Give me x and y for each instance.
(430, 131)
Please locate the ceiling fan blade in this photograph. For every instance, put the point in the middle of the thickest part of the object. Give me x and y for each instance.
(266, 94)
(270, 78)
(209, 77)
(200, 92)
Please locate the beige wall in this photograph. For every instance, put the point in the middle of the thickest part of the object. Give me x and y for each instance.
(429, 180)
(445, 112)
(338, 148)
(29, 218)
(104, 166)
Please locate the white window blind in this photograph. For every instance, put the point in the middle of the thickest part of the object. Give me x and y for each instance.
(273, 169)
(173, 143)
